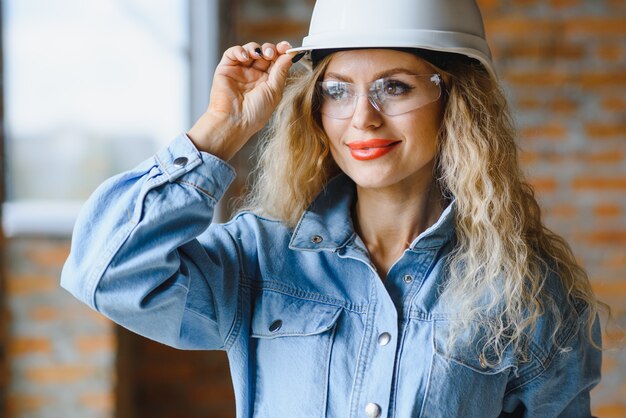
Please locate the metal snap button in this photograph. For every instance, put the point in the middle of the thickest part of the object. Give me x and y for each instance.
(407, 279)
(181, 161)
(316, 239)
(275, 326)
(384, 338)
(373, 410)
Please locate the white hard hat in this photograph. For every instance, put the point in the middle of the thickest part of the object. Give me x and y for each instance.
(453, 26)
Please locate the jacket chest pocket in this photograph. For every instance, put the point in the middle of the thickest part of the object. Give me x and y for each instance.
(462, 382)
(291, 339)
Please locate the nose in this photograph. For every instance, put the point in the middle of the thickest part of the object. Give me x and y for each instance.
(366, 115)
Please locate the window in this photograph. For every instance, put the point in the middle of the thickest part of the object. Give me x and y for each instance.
(92, 88)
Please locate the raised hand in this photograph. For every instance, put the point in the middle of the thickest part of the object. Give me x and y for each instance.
(247, 85)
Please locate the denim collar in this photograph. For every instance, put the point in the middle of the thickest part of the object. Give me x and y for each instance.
(327, 223)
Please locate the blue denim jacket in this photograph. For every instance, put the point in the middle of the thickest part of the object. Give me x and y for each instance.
(309, 327)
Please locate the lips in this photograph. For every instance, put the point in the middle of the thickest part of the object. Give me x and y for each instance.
(371, 149)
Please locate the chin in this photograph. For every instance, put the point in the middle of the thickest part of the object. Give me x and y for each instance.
(371, 179)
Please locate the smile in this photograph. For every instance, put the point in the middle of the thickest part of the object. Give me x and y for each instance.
(371, 149)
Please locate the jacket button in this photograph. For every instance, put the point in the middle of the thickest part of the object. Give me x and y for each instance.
(275, 326)
(407, 278)
(372, 410)
(316, 239)
(384, 338)
(181, 161)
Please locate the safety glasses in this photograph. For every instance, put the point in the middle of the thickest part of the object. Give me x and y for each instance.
(392, 96)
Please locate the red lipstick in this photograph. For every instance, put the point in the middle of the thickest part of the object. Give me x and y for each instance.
(371, 149)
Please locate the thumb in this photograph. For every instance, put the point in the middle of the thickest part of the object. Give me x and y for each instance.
(279, 71)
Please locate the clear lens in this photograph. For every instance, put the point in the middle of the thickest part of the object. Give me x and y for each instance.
(392, 95)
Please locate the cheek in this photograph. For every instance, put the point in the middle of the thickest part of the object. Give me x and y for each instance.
(334, 129)
(427, 125)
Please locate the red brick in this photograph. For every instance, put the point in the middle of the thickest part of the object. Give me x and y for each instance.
(102, 401)
(563, 211)
(539, 79)
(607, 210)
(19, 404)
(514, 27)
(552, 131)
(529, 103)
(543, 184)
(609, 288)
(92, 315)
(597, 130)
(599, 26)
(18, 285)
(611, 79)
(49, 256)
(563, 105)
(529, 157)
(562, 4)
(606, 237)
(611, 410)
(617, 261)
(21, 346)
(591, 183)
(93, 343)
(615, 103)
(542, 50)
(603, 157)
(59, 374)
(524, 3)
(487, 6)
(44, 313)
(609, 363)
(553, 78)
(611, 52)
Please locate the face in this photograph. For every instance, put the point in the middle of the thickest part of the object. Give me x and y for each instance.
(375, 149)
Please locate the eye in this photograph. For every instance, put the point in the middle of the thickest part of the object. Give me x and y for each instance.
(335, 90)
(392, 87)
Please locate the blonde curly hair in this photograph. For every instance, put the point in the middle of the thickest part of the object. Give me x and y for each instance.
(499, 229)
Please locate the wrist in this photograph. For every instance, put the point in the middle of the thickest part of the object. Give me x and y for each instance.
(215, 135)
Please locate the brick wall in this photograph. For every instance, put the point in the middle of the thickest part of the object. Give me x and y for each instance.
(563, 63)
(61, 353)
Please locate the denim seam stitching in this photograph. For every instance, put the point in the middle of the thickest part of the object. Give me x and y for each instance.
(195, 186)
(301, 294)
(235, 326)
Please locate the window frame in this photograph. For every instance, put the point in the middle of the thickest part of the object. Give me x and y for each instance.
(56, 218)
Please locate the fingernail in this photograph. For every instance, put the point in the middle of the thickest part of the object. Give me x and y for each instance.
(297, 57)
(269, 52)
(258, 52)
(245, 55)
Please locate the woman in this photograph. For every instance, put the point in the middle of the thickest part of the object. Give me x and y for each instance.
(393, 262)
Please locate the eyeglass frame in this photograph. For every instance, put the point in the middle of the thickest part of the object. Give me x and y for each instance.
(435, 78)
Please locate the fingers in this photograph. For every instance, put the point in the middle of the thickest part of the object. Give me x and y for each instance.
(254, 54)
(280, 69)
(235, 54)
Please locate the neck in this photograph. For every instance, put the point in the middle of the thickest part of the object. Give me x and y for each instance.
(389, 219)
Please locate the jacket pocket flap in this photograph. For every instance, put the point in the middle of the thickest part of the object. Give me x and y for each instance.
(279, 315)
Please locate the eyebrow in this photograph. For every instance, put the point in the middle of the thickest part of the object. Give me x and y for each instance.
(382, 74)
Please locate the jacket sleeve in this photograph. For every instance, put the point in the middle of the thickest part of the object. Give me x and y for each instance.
(560, 382)
(135, 257)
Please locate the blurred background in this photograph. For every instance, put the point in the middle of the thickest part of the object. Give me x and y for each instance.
(92, 87)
